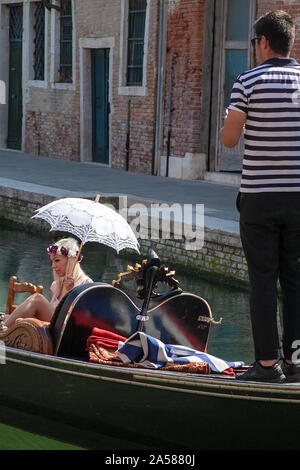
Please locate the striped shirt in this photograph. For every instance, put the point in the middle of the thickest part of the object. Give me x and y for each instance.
(270, 97)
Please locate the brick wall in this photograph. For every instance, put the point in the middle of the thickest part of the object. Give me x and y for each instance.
(142, 109)
(52, 115)
(185, 39)
(141, 133)
(290, 6)
(53, 135)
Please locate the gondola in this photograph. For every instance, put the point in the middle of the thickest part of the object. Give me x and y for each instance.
(58, 381)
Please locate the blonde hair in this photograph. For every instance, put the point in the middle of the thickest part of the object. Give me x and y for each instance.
(72, 247)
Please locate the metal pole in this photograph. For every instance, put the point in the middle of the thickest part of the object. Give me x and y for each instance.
(170, 112)
(128, 134)
(39, 132)
(150, 281)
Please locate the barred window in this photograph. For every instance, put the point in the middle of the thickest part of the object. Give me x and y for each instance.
(16, 23)
(39, 42)
(136, 39)
(66, 36)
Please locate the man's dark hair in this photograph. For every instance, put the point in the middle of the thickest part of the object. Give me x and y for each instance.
(278, 27)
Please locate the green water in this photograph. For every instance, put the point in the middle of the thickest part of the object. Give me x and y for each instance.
(16, 439)
(24, 254)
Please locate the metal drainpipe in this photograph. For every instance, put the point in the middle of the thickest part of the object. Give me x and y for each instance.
(159, 98)
(128, 134)
(170, 112)
(39, 132)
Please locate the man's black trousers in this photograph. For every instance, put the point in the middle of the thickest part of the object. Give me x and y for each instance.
(270, 234)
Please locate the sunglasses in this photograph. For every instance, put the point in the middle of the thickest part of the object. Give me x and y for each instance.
(254, 39)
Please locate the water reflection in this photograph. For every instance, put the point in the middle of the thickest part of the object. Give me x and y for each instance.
(24, 255)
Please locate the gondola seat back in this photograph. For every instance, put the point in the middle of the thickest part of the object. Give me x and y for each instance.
(15, 287)
(97, 305)
(174, 318)
(29, 334)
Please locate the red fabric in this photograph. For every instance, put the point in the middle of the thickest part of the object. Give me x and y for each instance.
(101, 343)
(100, 355)
(228, 371)
(104, 338)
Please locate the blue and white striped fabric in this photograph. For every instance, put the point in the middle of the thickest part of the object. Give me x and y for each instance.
(141, 348)
(269, 96)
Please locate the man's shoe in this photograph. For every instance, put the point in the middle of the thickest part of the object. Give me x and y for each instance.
(258, 373)
(291, 371)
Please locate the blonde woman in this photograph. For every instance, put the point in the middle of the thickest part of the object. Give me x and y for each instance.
(66, 276)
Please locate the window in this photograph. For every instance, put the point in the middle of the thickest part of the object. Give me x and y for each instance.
(136, 39)
(39, 42)
(66, 33)
(236, 46)
(16, 23)
(233, 54)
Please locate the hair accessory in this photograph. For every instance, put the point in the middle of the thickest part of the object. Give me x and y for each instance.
(61, 250)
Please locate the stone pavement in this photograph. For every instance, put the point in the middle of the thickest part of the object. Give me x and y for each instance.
(61, 178)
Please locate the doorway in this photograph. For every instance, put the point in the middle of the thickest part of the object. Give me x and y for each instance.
(232, 56)
(100, 104)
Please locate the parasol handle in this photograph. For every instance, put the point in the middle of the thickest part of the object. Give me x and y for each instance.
(97, 198)
(77, 257)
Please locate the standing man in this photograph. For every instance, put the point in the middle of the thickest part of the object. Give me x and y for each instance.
(265, 105)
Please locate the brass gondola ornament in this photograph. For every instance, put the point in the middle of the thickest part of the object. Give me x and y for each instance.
(138, 272)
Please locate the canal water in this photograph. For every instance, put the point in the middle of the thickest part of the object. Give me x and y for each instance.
(24, 254)
(17, 439)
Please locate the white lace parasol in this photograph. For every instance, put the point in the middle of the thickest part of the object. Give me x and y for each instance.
(90, 221)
